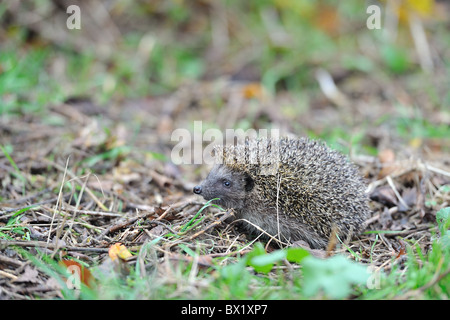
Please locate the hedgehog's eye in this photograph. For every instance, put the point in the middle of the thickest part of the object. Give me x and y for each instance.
(226, 183)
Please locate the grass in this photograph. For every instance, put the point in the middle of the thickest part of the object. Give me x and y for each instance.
(290, 273)
(32, 79)
(190, 224)
(23, 86)
(14, 226)
(17, 173)
(425, 276)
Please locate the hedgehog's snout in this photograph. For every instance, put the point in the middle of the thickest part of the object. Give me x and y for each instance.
(197, 189)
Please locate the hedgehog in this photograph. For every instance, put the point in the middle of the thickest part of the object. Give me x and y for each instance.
(295, 189)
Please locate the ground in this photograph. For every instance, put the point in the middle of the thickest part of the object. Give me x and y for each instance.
(89, 124)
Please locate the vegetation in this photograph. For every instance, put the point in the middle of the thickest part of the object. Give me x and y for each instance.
(86, 133)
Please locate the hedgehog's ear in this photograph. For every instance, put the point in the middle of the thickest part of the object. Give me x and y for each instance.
(249, 183)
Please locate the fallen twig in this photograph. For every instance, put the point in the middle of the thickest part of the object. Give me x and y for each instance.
(43, 244)
(123, 224)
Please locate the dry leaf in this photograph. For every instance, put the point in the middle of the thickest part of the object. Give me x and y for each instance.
(118, 250)
(162, 181)
(157, 231)
(29, 275)
(76, 268)
(253, 90)
(385, 219)
(169, 216)
(165, 125)
(402, 250)
(387, 159)
(415, 143)
(124, 175)
(422, 8)
(327, 19)
(386, 156)
(103, 185)
(410, 195)
(384, 195)
(388, 170)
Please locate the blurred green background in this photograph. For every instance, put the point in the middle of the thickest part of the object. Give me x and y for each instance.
(134, 49)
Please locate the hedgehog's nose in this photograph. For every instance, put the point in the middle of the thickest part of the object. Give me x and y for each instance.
(197, 189)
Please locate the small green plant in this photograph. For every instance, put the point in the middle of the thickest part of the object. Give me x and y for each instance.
(264, 262)
(111, 155)
(191, 224)
(16, 173)
(443, 220)
(334, 276)
(425, 275)
(395, 58)
(13, 226)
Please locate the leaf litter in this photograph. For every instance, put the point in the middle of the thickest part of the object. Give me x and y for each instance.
(120, 186)
(134, 198)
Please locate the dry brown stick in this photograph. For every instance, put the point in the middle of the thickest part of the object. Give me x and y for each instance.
(151, 211)
(124, 224)
(44, 244)
(13, 262)
(397, 194)
(164, 213)
(371, 220)
(28, 198)
(63, 214)
(8, 275)
(6, 213)
(74, 213)
(161, 180)
(407, 232)
(93, 213)
(58, 201)
(229, 254)
(159, 223)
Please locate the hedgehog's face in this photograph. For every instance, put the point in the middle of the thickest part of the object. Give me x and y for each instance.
(229, 186)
